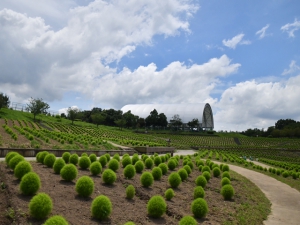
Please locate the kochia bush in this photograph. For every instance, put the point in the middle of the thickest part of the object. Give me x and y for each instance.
(114, 164)
(156, 173)
(40, 206)
(129, 171)
(146, 179)
(227, 191)
(126, 161)
(164, 168)
(199, 208)
(58, 165)
(84, 162)
(172, 164)
(130, 191)
(84, 186)
(139, 166)
(187, 220)
(103, 160)
(201, 181)
(22, 168)
(169, 194)
(93, 157)
(30, 183)
(74, 159)
(69, 172)
(101, 207)
(206, 175)
(56, 220)
(49, 160)
(109, 176)
(174, 180)
(66, 157)
(225, 181)
(13, 162)
(149, 163)
(156, 206)
(183, 173)
(199, 192)
(96, 168)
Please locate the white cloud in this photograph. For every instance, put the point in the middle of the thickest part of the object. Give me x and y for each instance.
(293, 67)
(290, 28)
(65, 110)
(233, 42)
(262, 32)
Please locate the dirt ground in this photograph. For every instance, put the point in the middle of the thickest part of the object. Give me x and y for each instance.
(76, 209)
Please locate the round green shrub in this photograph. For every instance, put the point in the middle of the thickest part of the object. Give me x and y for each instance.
(117, 157)
(205, 168)
(126, 161)
(69, 172)
(103, 160)
(42, 156)
(74, 159)
(135, 158)
(187, 220)
(226, 174)
(285, 174)
(58, 165)
(183, 174)
(190, 164)
(163, 158)
(172, 164)
(109, 176)
(139, 166)
(157, 160)
(13, 162)
(169, 194)
(129, 223)
(225, 181)
(188, 169)
(216, 172)
(96, 168)
(201, 181)
(40, 206)
(56, 220)
(84, 186)
(146, 179)
(206, 175)
(93, 157)
(30, 183)
(22, 168)
(107, 157)
(49, 160)
(199, 208)
(199, 192)
(200, 168)
(225, 167)
(174, 180)
(227, 192)
(156, 173)
(84, 162)
(156, 206)
(149, 163)
(164, 168)
(295, 175)
(9, 156)
(84, 154)
(66, 157)
(130, 191)
(129, 171)
(101, 207)
(114, 164)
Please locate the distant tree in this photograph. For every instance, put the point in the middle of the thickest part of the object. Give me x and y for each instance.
(131, 120)
(120, 123)
(72, 113)
(152, 119)
(176, 121)
(37, 106)
(63, 115)
(98, 119)
(162, 120)
(141, 122)
(111, 116)
(193, 123)
(280, 124)
(4, 101)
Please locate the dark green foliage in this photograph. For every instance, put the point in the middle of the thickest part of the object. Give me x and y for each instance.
(225, 181)
(216, 172)
(22, 168)
(84, 186)
(84, 162)
(74, 159)
(294, 175)
(13, 162)
(130, 191)
(156, 206)
(226, 174)
(129, 223)
(84, 154)
(149, 163)
(135, 158)
(172, 164)
(174, 180)
(114, 164)
(199, 208)
(49, 160)
(157, 160)
(183, 174)
(201, 181)
(190, 164)
(146, 179)
(9, 156)
(103, 160)
(187, 220)
(42, 156)
(206, 175)
(169, 194)
(156, 173)
(129, 171)
(164, 168)
(56, 220)
(69, 172)
(117, 157)
(30, 183)
(285, 174)
(66, 157)
(205, 168)
(107, 157)
(227, 191)
(40, 206)
(187, 169)
(199, 192)
(225, 167)
(58, 165)
(96, 168)
(93, 157)
(139, 166)
(109, 176)
(101, 207)
(126, 161)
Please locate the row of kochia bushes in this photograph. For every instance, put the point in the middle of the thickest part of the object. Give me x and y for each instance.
(101, 206)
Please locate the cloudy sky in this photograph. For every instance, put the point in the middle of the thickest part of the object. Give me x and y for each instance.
(242, 57)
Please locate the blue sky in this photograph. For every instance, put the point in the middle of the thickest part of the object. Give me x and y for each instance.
(242, 57)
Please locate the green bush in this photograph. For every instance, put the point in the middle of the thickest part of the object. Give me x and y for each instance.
(129, 223)
(49, 160)
(40, 206)
(216, 172)
(199, 192)
(190, 164)
(22, 168)
(126, 161)
(66, 157)
(93, 157)
(174, 180)
(42, 156)
(169, 194)
(172, 164)
(146, 179)
(103, 160)
(206, 175)
(139, 166)
(285, 174)
(183, 174)
(201, 181)
(74, 159)
(9, 156)
(109, 176)
(225, 167)
(188, 169)
(69, 172)
(56, 220)
(114, 164)
(164, 168)
(156, 206)
(130, 191)
(30, 183)
(226, 174)
(156, 173)
(199, 208)
(205, 168)
(117, 157)
(135, 158)
(227, 192)
(225, 181)
(13, 162)
(84, 186)
(295, 175)
(129, 171)
(84, 162)
(149, 163)
(101, 207)
(58, 165)
(187, 220)
(157, 160)
(96, 168)
(84, 154)
(107, 157)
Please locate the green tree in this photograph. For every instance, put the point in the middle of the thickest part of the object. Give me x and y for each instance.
(4, 101)
(72, 113)
(193, 123)
(120, 123)
(176, 121)
(131, 119)
(162, 120)
(98, 119)
(37, 106)
(152, 119)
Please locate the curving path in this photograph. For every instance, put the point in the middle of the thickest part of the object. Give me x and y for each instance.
(285, 200)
